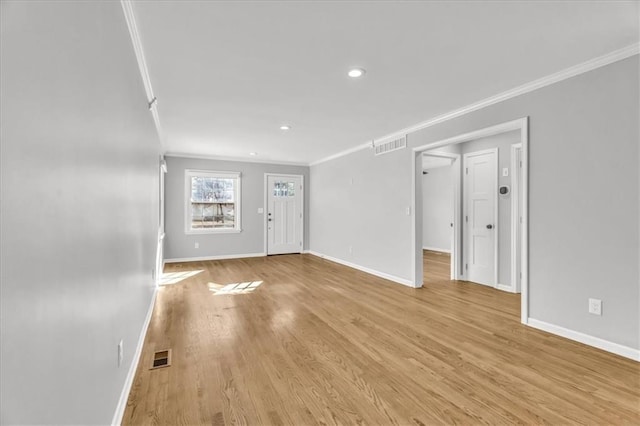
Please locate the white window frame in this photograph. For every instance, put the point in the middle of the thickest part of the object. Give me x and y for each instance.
(188, 174)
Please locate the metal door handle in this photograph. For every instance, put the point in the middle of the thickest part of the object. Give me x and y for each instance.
(489, 226)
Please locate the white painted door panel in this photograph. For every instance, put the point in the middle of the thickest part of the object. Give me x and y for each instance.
(480, 197)
(284, 214)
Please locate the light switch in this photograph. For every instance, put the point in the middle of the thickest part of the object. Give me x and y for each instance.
(505, 172)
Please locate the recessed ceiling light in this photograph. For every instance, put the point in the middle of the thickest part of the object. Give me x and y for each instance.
(356, 72)
(285, 127)
(253, 153)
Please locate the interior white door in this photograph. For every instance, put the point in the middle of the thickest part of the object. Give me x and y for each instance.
(284, 214)
(480, 198)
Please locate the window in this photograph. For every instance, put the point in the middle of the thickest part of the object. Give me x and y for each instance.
(284, 189)
(212, 202)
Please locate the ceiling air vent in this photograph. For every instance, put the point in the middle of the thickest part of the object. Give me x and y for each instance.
(392, 145)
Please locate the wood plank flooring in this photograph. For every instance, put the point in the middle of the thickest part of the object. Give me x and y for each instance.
(319, 343)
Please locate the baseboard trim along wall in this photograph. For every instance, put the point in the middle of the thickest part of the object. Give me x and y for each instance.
(504, 287)
(386, 276)
(220, 257)
(124, 396)
(441, 250)
(596, 342)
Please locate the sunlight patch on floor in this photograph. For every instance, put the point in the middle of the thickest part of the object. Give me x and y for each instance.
(234, 288)
(169, 278)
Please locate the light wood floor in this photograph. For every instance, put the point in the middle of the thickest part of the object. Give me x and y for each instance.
(320, 343)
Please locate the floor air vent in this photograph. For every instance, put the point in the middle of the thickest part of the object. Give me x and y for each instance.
(393, 145)
(161, 359)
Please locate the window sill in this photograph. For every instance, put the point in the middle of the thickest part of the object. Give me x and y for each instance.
(213, 231)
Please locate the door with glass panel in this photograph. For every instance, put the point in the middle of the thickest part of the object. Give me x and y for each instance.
(284, 214)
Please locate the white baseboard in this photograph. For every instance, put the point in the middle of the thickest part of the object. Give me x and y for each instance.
(597, 342)
(504, 287)
(220, 257)
(364, 269)
(441, 250)
(124, 396)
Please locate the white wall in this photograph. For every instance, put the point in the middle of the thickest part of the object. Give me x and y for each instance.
(437, 214)
(357, 204)
(583, 196)
(179, 245)
(79, 164)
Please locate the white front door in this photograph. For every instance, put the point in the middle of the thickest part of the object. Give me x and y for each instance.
(284, 214)
(480, 224)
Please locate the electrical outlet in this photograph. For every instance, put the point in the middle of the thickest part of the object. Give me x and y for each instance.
(595, 306)
(260, 210)
(120, 352)
(197, 245)
(350, 249)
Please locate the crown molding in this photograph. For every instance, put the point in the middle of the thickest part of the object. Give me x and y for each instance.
(127, 8)
(590, 65)
(234, 159)
(343, 153)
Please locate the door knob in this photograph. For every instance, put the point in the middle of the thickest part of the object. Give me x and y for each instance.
(489, 226)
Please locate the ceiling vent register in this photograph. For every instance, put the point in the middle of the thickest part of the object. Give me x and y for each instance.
(390, 146)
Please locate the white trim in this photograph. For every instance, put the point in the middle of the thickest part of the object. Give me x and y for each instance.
(476, 134)
(521, 124)
(218, 257)
(124, 395)
(584, 67)
(416, 265)
(515, 215)
(442, 154)
(496, 224)
(384, 275)
(233, 159)
(440, 250)
(127, 8)
(587, 339)
(505, 287)
(524, 228)
(343, 153)
(266, 208)
(237, 208)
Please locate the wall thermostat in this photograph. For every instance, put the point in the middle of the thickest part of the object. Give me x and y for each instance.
(504, 190)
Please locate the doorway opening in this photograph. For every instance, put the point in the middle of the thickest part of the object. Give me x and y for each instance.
(440, 189)
(283, 213)
(470, 204)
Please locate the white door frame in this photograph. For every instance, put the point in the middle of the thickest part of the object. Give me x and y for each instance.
(496, 226)
(266, 208)
(522, 125)
(160, 248)
(456, 168)
(516, 154)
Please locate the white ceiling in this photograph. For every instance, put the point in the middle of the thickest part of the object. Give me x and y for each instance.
(228, 74)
